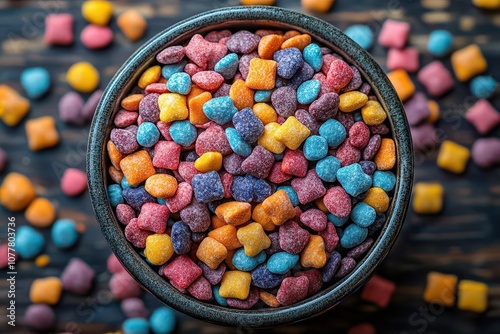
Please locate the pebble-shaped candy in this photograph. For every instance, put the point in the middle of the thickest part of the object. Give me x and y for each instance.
(292, 195)
(309, 188)
(339, 74)
(168, 70)
(248, 125)
(315, 148)
(173, 107)
(351, 101)
(440, 42)
(181, 238)
(16, 192)
(261, 74)
(268, 141)
(227, 66)
(179, 83)
(436, 78)
(46, 290)
(207, 187)
(115, 195)
(183, 133)
(234, 213)
(385, 180)
(134, 308)
(244, 262)
(226, 235)
(265, 112)
(315, 280)
(161, 185)
(59, 29)
(308, 91)
(361, 34)
(162, 320)
(64, 233)
(29, 242)
(327, 168)
(373, 113)
(468, 62)
(167, 154)
(304, 117)
(312, 55)
(483, 87)
(292, 126)
(262, 96)
(83, 77)
(159, 249)
(209, 161)
(289, 62)
(317, 6)
(171, 55)
(305, 73)
(42, 133)
(386, 156)
(378, 199)
(284, 100)
(220, 110)
(235, 284)
(253, 238)
(96, 37)
(123, 286)
(337, 221)
(258, 163)
(483, 116)
(70, 108)
(243, 42)
(125, 213)
(97, 11)
(135, 235)
(279, 207)
(402, 83)
(356, 81)
(353, 236)
(153, 217)
(264, 279)
(196, 216)
(40, 317)
(137, 167)
(147, 134)
(40, 213)
(292, 290)
(359, 135)
(333, 131)
(363, 214)
(36, 81)
(292, 238)
(314, 254)
(486, 152)
(282, 262)
(135, 326)
(315, 219)
(353, 179)
(14, 106)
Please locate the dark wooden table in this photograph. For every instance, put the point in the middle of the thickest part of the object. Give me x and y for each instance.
(463, 240)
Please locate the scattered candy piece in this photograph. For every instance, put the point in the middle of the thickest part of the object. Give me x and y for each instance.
(83, 77)
(40, 213)
(73, 182)
(378, 290)
(13, 107)
(440, 43)
(132, 24)
(59, 29)
(483, 116)
(16, 192)
(486, 152)
(40, 317)
(440, 289)
(428, 198)
(46, 291)
(472, 296)
(468, 62)
(36, 81)
(64, 233)
(98, 12)
(96, 37)
(453, 157)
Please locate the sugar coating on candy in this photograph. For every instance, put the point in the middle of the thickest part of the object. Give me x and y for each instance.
(347, 264)
(248, 125)
(213, 139)
(124, 213)
(201, 289)
(181, 237)
(135, 235)
(263, 278)
(394, 34)
(182, 271)
(181, 199)
(136, 197)
(196, 216)
(331, 267)
(361, 249)
(171, 55)
(315, 280)
(289, 62)
(284, 100)
(232, 164)
(243, 42)
(314, 219)
(292, 290)
(308, 120)
(292, 238)
(309, 188)
(258, 163)
(406, 59)
(208, 187)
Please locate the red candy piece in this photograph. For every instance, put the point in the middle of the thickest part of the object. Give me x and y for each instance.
(328, 59)
(187, 171)
(153, 217)
(359, 135)
(325, 86)
(218, 52)
(378, 290)
(201, 289)
(182, 271)
(294, 163)
(192, 69)
(227, 181)
(157, 88)
(208, 80)
(258, 163)
(277, 175)
(338, 202)
(309, 188)
(135, 235)
(314, 219)
(292, 290)
(124, 213)
(213, 139)
(164, 129)
(339, 74)
(330, 237)
(181, 199)
(348, 154)
(167, 154)
(292, 237)
(315, 280)
(125, 118)
(198, 50)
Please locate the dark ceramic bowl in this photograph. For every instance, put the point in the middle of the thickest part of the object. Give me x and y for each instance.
(247, 18)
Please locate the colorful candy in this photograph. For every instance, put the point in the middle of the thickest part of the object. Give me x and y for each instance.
(59, 29)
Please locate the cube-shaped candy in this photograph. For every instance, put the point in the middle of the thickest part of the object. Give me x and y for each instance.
(167, 155)
(182, 271)
(292, 133)
(406, 59)
(468, 62)
(417, 109)
(137, 167)
(378, 290)
(428, 198)
(394, 34)
(42, 133)
(402, 83)
(46, 290)
(483, 116)
(13, 107)
(235, 284)
(59, 29)
(436, 78)
(261, 74)
(440, 289)
(453, 157)
(472, 296)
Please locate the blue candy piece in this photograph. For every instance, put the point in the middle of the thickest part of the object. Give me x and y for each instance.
(279, 157)
(315, 148)
(207, 187)
(289, 62)
(179, 83)
(363, 214)
(64, 233)
(192, 156)
(263, 96)
(292, 194)
(368, 167)
(333, 131)
(115, 195)
(361, 34)
(357, 116)
(242, 188)
(353, 235)
(161, 201)
(440, 42)
(264, 279)
(305, 73)
(136, 197)
(331, 267)
(220, 109)
(483, 86)
(147, 134)
(124, 184)
(36, 81)
(168, 70)
(29, 242)
(313, 56)
(135, 326)
(238, 145)
(227, 66)
(327, 168)
(244, 262)
(181, 237)
(248, 125)
(261, 189)
(162, 320)
(384, 179)
(308, 91)
(353, 179)
(337, 221)
(282, 262)
(183, 133)
(220, 300)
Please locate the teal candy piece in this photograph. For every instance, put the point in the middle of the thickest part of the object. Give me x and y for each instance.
(36, 81)
(384, 179)
(244, 262)
(361, 34)
(312, 55)
(315, 148)
(29, 242)
(483, 86)
(227, 66)
(440, 42)
(179, 83)
(327, 168)
(353, 179)
(183, 133)
(363, 214)
(337, 221)
(147, 134)
(64, 233)
(115, 195)
(220, 300)
(333, 131)
(135, 326)
(292, 194)
(220, 109)
(263, 96)
(168, 70)
(282, 262)
(238, 145)
(162, 321)
(308, 91)
(353, 236)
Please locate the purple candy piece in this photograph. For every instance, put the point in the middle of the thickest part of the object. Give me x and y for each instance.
(315, 219)
(264, 279)
(149, 109)
(213, 276)
(70, 108)
(331, 267)
(372, 147)
(347, 264)
(124, 213)
(171, 55)
(275, 244)
(365, 88)
(308, 188)
(417, 109)
(181, 237)
(424, 137)
(232, 164)
(258, 163)
(355, 82)
(289, 62)
(252, 299)
(377, 225)
(486, 152)
(90, 106)
(346, 119)
(380, 129)
(292, 237)
(222, 91)
(325, 107)
(244, 66)
(124, 140)
(368, 167)
(243, 42)
(361, 249)
(306, 72)
(196, 216)
(284, 100)
(40, 317)
(77, 277)
(137, 197)
(134, 308)
(308, 120)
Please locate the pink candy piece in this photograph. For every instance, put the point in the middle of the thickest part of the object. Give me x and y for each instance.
(339, 74)
(153, 217)
(314, 219)
(217, 35)
(213, 139)
(125, 118)
(182, 271)
(4, 254)
(486, 152)
(315, 280)
(277, 175)
(394, 34)
(219, 50)
(77, 277)
(252, 299)
(123, 286)
(201, 289)
(330, 237)
(164, 129)
(59, 29)
(292, 237)
(227, 181)
(359, 135)
(325, 86)
(406, 59)
(134, 308)
(417, 109)
(167, 155)
(436, 78)
(191, 69)
(208, 80)
(483, 116)
(258, 163)
(70, 108)
(157, 87)
(196, 216)
(294, 163)
(96, 37)
(124, 213)
(378, 290)
(171, 55)
(309, 188)
(338, 202)
(348, 154)
(181, 199)
(198, 50)
(292, 290)
(135, 235)
(73, 182)
(113, 264)
(187, 171)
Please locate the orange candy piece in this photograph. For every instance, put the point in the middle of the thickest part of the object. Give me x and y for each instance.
(279, 207)
(290, 33)
(261, 217)
(440, 289)
(322, 6)
(268, 45)
(46, 291)
(16, 192)
(241, 95)
(402, 83)
(468, 62)
(386, 156)
(42, 133)
(217, 222)
(258, 2)
(234, 213)
(161, 185)
(13, 107)
(299, 42)
(40, 213)
(114, 155)
(211, 252)
(314, 254)
(131, 102)
(137, 167)
(378, 199)
(226, 235)
(261, 74)
(132, 24)
(115, 174)
(195, 104)
(268, 299)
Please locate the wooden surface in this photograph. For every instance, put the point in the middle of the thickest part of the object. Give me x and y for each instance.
(463, 240)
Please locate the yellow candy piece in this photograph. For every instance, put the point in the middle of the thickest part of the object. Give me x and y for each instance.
(209, 161)
(268, 141)
(402, 83)
(378, 199)
(235, 284)
(46, 291)
(472, 296)
(453, 157)
(159, 248)
(468, 62)
(173, 107)
(42, 133)
(13, 107)
(83, 77)
(291, 133)
(211, 252)
(151, 75)
(440, 289)
(258, 2)
(373, 113)
(98, 12)
(487, 4)
(16, 192)
(253, 238)
(428, 198)
(321, 205)
(351, 101)
(234, 213)
(265, 113)
(434, 111)
(314, 254)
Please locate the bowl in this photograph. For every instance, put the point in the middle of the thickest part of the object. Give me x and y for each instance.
(248, 18)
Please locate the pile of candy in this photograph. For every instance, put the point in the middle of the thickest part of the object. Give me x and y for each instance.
(251, 166)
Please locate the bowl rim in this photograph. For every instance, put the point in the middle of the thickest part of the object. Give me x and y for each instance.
(147, 277)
